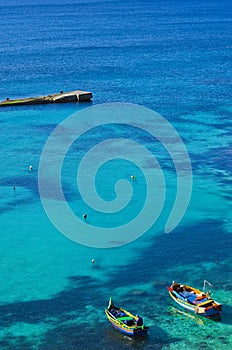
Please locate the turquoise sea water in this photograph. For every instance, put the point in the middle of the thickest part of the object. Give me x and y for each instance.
(173, 57)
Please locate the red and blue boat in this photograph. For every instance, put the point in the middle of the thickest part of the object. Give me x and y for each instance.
(194, 300)
(125, 322)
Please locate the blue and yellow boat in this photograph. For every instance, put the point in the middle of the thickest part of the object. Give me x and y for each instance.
(194, 300)
(125, 322)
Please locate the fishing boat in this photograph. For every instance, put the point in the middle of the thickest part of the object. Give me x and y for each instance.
(125, 322)
(194, 300)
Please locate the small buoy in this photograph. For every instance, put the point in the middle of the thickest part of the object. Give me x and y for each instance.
(84, 216)
(14, 188)
(132, 177)
(93, 261)
(30, 167)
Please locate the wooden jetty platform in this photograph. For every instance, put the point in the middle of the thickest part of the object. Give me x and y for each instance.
(61, 97)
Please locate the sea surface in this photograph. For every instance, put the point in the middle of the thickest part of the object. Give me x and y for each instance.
(173, 57)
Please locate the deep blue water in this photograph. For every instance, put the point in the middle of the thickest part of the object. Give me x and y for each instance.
(173, 57)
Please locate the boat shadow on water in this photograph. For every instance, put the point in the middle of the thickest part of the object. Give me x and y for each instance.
(226, 315)
(189, 316)
(121, 338)
(155, 341)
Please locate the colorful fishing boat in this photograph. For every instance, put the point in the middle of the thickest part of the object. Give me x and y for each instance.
(194, 300)
(125, 322)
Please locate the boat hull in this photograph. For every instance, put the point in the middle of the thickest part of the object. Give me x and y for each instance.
(123, 328)
(209, 308)
(131, 333)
